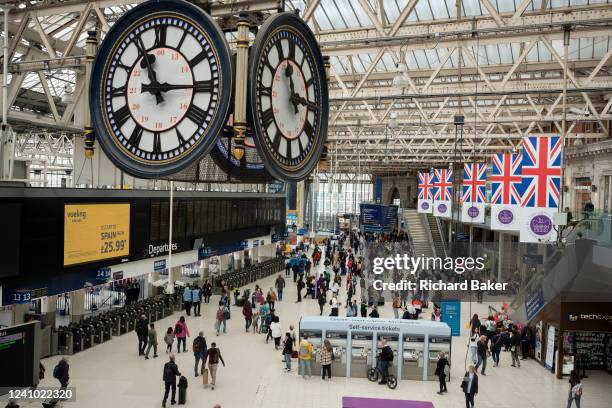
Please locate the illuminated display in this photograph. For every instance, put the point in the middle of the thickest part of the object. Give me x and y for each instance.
(95, 231)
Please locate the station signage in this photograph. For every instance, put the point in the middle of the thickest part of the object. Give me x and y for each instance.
(205, 252)
(93, 232)
(22, 296)
(244, 244)
(159, 266)
(103, 274)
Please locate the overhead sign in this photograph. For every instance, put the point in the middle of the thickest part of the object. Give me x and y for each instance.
(378, 218)
(534, 302)
(93, 232)
(22, 296)
(159, 266)
(205, 252)
(103, 274)
(533, 259)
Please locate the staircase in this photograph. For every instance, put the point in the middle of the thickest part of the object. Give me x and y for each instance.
(420, 237)
(436, 236)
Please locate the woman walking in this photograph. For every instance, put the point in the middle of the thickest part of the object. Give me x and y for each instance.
(287, 351)
(247, 312)
(181, 331)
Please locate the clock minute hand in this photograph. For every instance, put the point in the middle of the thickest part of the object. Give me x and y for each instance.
(150, 71)
(156, 87)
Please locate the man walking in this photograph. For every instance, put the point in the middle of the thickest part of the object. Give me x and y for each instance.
(280, 286)
(171, 371)
(152, 339)
(196, 298)
(214, 355)
(142, 332)
(199, 348)
(187, 299)
(386, 359)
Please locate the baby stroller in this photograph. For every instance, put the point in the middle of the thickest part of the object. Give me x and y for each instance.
(264, 313)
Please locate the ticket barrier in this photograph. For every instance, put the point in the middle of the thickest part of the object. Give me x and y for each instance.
(124, 319)
(338, 343)
(437, 344)
(107, 326)
(88, 335)
(361, 354)
(77, 336)
(97, 329)
(115, 322)
(65, 341)
(412, 358)
(315, 337)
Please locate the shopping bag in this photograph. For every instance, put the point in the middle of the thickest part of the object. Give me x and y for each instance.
(205, 377)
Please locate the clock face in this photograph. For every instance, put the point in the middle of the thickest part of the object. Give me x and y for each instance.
(160, 88)
(288, 97)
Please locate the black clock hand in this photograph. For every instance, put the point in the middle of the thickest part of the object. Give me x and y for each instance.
(156, 87)
(289, 73)
(297, 99)
(150, 72)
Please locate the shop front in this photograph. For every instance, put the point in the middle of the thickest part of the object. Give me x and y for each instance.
(582, 192)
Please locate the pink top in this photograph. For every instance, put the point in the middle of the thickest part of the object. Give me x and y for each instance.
(184, 332)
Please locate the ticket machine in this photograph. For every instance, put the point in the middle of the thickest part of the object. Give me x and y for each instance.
(393, 342)
(361, 354)
(315, 338)
(436, 345)
(412, 357)
(338, 340)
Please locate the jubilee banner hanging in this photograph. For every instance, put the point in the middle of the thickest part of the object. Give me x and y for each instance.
(540, 187)
(443, 193)
(425, 188)
(473, 195)
(506, 191)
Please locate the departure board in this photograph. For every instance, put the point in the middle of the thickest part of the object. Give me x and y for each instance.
(94, 232)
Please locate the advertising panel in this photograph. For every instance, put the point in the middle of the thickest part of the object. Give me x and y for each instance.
(94, 232)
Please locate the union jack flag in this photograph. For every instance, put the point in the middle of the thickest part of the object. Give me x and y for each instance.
(443, 184)
(474, 183)
(541, 171)
(425, 186)
(506, 178)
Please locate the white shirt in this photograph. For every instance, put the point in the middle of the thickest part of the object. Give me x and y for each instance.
(335, 287)
(471, 380)
(334, 303)
(276, 329)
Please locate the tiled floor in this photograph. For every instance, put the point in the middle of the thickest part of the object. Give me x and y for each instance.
(112, 375)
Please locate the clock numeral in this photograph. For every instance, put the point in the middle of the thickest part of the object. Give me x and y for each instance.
(157, 149)
(178, 47)
(202, 86)
(288, 155)
(269, 65)
(122, 65)
(308, 129)
(291, 55)
(136, 136)
(122, 115)
(279, 50)
(181, 139)
(276, 141)
(197, 59)
(196, 115)
(265, 91)
(160, 36)
(121, 91)
(267, 118)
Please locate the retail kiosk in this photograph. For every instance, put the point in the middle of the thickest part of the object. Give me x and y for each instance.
(356, 342)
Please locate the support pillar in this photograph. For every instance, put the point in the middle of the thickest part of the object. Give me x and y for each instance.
(77, 305)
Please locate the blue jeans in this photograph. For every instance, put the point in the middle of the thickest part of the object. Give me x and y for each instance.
(280, 294)
(495, 355)
(384, 367)
(247, 323)
(482, 360)
(306, 367)
(288, 361)
(576, 398)
(218, 325)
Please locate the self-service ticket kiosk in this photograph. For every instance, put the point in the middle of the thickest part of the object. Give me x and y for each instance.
(338, 340)
(412, 357)
(436, 345)
(393, 342)
(315, 338)
(361, 354)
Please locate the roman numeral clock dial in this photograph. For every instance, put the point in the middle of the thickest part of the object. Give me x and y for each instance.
(161, 88)
(288, 97)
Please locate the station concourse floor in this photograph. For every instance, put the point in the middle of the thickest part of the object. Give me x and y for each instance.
(113, 375)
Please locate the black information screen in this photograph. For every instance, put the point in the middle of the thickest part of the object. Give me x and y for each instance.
(17, 355)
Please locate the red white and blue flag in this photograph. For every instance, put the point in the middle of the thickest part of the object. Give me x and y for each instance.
(425, 189)
(443, 192)
(473, 196)
(540, 187)
(506, 191)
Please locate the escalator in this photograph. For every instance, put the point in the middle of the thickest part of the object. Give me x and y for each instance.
(436, 236)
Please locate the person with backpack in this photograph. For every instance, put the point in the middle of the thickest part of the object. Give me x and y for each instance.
(142, 332)
(196, 300)
(152, 340)
(305, 357)
(575, 389)
(271, 299)
(181, 331)
(441, 371)
(61, 372)
(213, 357)
(171, 371)
(187, 300)
(352, 309)
(386, 360)
(199, 348)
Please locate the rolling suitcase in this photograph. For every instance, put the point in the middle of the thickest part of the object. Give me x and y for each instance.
(182, 386)
(205, 378)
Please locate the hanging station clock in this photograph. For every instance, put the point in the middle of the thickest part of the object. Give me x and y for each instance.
(161, 87)
(288, 97)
